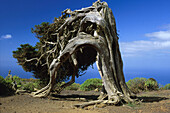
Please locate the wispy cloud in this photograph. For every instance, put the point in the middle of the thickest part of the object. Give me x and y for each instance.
(138, 47)
(159, 40)
(7, 36)
(160, 35)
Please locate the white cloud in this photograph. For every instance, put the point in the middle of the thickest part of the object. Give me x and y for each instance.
(160, 41)
(141, 47)
(161, 35)
(7, 36)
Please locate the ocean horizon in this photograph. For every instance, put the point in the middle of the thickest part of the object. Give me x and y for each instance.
(161, 76)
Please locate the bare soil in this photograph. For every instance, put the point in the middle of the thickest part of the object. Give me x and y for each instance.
(153, 102)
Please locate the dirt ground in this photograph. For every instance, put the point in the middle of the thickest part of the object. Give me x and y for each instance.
(153, 102)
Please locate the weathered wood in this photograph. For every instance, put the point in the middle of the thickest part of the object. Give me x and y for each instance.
(97, 30)
(85, 104)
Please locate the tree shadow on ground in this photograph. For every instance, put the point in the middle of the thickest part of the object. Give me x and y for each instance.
(94, 97)
(91, 95)
(151, 99)
(75, 96)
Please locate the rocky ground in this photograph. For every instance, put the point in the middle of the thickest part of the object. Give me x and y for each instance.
(153, 102)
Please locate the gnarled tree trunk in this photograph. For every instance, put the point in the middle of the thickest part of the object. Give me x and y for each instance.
(97, 30)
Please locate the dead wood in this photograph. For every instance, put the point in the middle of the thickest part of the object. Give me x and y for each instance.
(96, 29)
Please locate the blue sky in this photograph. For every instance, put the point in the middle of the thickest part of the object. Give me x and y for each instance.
(143, 27)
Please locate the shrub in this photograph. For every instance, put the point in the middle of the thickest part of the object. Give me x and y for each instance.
(38, 84)
(151, 84)
(8, 80)
(167, 86)
(17, 80)
(5, 87)
(137, 85)
(91, 84)
(29, 86)
(74, 86)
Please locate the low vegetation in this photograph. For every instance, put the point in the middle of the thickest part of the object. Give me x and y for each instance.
(74, 86)
(9, 85)
(91, 84)
(136, 85)
(151, 84)
(5, 87)
(167, 86)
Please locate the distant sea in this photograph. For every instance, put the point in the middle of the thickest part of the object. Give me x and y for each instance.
(162, 76)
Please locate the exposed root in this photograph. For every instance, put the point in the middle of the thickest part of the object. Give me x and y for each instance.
(102, 96)
(113, 100)
(110, 101)
(85, 104)
(44, 92)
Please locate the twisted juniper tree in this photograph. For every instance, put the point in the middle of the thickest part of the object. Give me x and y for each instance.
(75, 41)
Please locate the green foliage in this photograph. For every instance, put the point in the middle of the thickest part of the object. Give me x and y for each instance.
(167, 87)
(37, 59)
(137, 85)
(29, 86)
(19, 86)
(38, 84)
(25, 84)
(17, 80)
(151, 84)
(8, 80)
(91, 84)
(41, 30)
(26, 52)
(74, 86)
(5, 87)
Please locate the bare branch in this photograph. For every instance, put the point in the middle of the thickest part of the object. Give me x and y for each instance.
(52, 43)
(26, 60)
